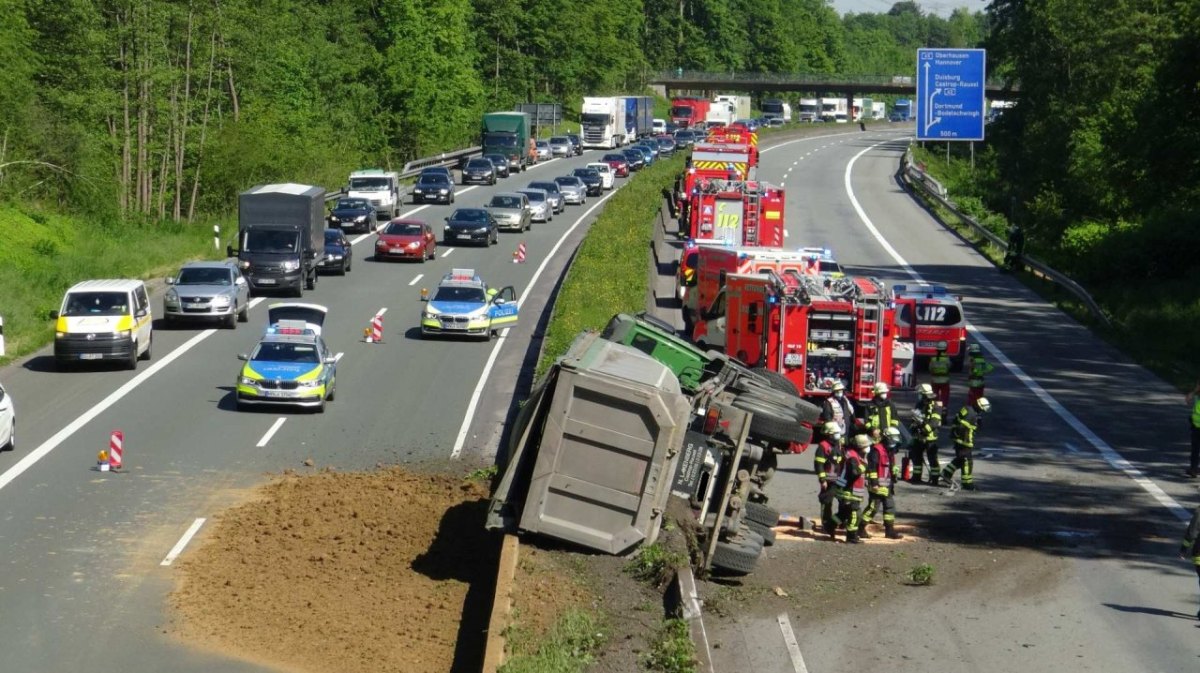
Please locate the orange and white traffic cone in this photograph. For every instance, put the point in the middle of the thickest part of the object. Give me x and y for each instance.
(116, 450)
(377, 329)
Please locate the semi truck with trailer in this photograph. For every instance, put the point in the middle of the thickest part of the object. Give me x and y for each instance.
(603, 122)
(687, 112)
(639, 117)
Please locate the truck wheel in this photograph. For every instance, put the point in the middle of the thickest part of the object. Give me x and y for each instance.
(805, 411)
(774, 424)
(762, 531)
(763, 515)
(734, 559)
(776, 380)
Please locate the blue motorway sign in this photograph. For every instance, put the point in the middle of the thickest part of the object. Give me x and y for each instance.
(950, 102)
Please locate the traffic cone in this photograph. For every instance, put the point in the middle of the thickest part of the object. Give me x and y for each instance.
(519, 255)
(377, 329)
(116, 449)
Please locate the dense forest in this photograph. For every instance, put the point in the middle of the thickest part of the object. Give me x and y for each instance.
(152, 110)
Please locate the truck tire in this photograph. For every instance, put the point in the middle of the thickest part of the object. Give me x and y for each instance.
(763, 515)
(776, 380)
(805, 411)
(762, 531)
(734, 559)
(773, 424)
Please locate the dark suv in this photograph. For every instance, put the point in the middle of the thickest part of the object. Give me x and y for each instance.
(576, 143)
(591, 178)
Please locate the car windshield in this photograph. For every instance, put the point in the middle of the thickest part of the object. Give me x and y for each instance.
(96, 303)
(368, 184)
(601, 168)
(277, 351)
(479, 163)
(271, 241)
(567, 180)
(351, 204)
(474, 295)
(586, 173)
(543, 144)
(535, 197)
(500, 139)
(402, 229)
(434, 179)
(203, 276)
(496, 158)
(471, 215)
(558, 140)
(551, 187)
(333, 237)
(614, 157)
(505, 202)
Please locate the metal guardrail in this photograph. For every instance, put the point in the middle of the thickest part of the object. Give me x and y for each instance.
(933, 189)
(414, 167)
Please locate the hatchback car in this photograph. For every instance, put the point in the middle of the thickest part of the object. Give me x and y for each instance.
(499, 162)
(338, 253)
(544, 153)
(652, 144)
(646, 152)
(576, 143)
(573, 189)
(540, 209)
(471, 225)
(560, 146)
(356, 214)
(434, 187)
(685, 138)
(666, 145)
(437, 170)
(480, 171)
(406, 239)
(208, 291)
(635, 158)
(619, 164)
(511, 211)
(553, 192)
(593, 183)
(607, 175)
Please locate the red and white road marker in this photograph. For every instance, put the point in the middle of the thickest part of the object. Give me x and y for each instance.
(116, 450)
(519, 255)
(373, 334)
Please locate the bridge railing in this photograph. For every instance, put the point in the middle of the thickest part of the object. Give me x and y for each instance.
(915, 176)
(690, 76)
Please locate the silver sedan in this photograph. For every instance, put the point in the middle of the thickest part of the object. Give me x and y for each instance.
(540, 208)
(573, 189)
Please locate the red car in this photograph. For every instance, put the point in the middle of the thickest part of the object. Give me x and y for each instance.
(406, 239)
(619, 164)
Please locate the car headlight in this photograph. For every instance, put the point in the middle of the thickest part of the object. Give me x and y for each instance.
(310, 384)
(291, 265)
(124, 334)
(480, 230)
(247, 381)
(333, 218)
(417, 190)
(431, 312)
(443, 191)
(220, 300)
(244, 264)
(414, 245)
(59, 335)
(361, 218)
(172, 296)
(334, 257)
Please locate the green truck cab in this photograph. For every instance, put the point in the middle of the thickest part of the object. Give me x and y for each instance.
(507, 133)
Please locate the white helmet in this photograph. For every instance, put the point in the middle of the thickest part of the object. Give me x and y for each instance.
(925, 390)
(838, 386)
(831, 429)
(892, 434)
(862, 441)
(880, 388)
(983, 405)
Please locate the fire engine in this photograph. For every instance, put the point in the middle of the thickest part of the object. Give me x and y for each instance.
(736, 135)
(927, 314)
(814, 330)
(711, 265)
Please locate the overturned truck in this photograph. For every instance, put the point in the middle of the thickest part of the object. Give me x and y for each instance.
(633, 417)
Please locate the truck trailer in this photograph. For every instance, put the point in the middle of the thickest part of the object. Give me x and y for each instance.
(603, 122)
(639, 117)
(687, 112)
(507, 133)
(741, 105)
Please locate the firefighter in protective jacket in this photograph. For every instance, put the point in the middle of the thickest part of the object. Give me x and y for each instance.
(881, 413)
(977, 369)
(825, 463)
(851, 487)
(1190, 549)
(882, 473)
(966, 424)
(926, 419)
(939, 374)
(838, 408)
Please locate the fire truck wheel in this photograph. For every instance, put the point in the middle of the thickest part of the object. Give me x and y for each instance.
(773, 424)
(776, 380)
(734, 559)
(763, 515)
(762, 531)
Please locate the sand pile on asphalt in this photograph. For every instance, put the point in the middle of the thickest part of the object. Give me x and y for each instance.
(342, 572)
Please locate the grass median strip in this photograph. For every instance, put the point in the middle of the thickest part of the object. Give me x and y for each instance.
(608, 274)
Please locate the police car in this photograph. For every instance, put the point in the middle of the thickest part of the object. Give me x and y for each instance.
(464, 305)
(290, 365)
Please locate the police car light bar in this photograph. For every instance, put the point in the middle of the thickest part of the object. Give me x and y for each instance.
(461, 274)
(290, 327)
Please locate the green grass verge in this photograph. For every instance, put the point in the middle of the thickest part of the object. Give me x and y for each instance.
(672, 650)
(1156, 323)
(609, 272)
(567, 648)
(43, 254)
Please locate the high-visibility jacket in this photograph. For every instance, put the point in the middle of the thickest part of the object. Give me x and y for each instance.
(1191, 539)
(979, 369)
(926, 421)
(839, 410)
(965, 426)
(826, 460)
(1196, 411)
(939, 369)
(880, 462)
(882, 414)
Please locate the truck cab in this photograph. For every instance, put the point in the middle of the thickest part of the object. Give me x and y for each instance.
(281, 237)
(381, 188)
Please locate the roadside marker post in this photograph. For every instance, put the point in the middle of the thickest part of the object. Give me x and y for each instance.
(519, 255)
(373, 333)
(116, 450)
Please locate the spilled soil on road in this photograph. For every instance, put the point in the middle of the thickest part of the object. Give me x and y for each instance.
(388, 570)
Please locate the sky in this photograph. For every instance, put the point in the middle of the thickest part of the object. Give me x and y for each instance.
(939, 7)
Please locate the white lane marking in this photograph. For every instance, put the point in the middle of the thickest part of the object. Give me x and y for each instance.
(338, 357)
(785, 234)
(1071, 447)
(491, 361)
(271, 433)
(256, 301)
(1115, 459)
(447, 253)
(115, 396)
(415, 280)
(183, 542)
(793, 648)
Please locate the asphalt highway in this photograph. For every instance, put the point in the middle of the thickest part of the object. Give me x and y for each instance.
(1080, 463)
(84, 550)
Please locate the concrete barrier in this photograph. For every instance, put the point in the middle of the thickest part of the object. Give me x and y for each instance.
(493, 653)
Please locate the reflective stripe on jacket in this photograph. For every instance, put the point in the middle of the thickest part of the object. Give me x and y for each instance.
(939, 369)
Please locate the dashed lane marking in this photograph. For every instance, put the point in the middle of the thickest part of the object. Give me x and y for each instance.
(183, 542)
(271, 432)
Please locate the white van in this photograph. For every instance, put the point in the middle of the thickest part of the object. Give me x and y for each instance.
(380, 187)
(104, 320)
(658, 126)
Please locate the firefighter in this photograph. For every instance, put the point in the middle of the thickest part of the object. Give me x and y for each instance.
(881, 484)
(825, 464)
(881, 413)
(1190, 548)
(966, 424)
(838, 408)
(939, 375)
(926, 419)
(850, 487)
(977, 369)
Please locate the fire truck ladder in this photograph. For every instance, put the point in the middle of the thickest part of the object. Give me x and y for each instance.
(869, 335)
(753, 208)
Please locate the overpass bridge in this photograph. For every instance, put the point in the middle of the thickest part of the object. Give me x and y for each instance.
(850, 85)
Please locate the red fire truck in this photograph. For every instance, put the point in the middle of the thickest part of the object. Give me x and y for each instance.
(688, 112)
(736, 134)
(814, 330)
(928, 314)
(712, 263)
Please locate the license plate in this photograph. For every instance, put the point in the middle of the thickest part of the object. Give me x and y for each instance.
(398, 249)
(90, 356)
(274, 393)
(927, 344)
(456, 235)
(195, 305)
(454, 326)
(266, 281)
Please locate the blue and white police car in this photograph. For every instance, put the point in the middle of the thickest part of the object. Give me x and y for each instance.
(464, 305)
(291, 364)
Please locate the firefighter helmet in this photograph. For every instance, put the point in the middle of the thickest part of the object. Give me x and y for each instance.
(862, 441)
(925, 390)
(942, 346)
(974, 349)
(983, 405)
(831, 429)
(838, 386)
(892, 433)
(880, 388)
